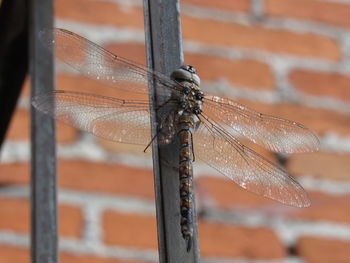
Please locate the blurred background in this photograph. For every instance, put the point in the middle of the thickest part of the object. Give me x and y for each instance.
(288, 58)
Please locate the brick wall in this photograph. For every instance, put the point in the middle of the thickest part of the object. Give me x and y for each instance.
(289, 58)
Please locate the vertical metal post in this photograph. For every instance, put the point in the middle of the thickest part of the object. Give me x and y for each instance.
(164, 54)
(43, 181)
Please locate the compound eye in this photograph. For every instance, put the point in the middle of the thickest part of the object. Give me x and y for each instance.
(191, 69)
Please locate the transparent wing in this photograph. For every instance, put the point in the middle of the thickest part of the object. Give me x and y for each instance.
(248, 169)
(109, 118)
(99, 64)
(273, 133)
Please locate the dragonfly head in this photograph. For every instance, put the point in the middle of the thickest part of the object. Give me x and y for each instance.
(186, 73)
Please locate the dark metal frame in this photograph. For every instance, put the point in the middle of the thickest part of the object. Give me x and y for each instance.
(44, 239)
(165, 54)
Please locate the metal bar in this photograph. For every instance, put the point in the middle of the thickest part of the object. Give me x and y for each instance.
(164, 54)
(13, 58)
(43, 181)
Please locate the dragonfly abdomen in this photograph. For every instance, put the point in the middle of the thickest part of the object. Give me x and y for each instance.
(186, 178)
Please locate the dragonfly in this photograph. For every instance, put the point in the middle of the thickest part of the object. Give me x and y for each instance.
(208, 127)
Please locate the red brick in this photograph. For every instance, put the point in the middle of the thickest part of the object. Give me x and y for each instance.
(14, 173)
(322, 84)
(334, 166)
(12, 254)
(100, 12)
(246, 73)
(325, 208)
(70, 221)
(217, 33)
(273, 40)
(238, 5)
(130, 230)
(216, 240)
(320, 121)
(243, 72)
(323, 250)
(19, 128)
(225, 194)
(15, 216)
(70, 258)
(116, 179)
(329, 12)
(229, 241)
(89, 176)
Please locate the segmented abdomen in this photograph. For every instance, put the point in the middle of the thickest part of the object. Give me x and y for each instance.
(186, 179)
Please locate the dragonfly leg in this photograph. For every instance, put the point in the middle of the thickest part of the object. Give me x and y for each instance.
(188, 243)
(149, 144)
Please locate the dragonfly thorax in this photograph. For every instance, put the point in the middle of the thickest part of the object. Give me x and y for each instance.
(192, 96)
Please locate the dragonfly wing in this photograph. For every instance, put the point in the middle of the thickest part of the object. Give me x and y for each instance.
(99, 64)
(273, 133)
(246, 168)
(109, 118)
